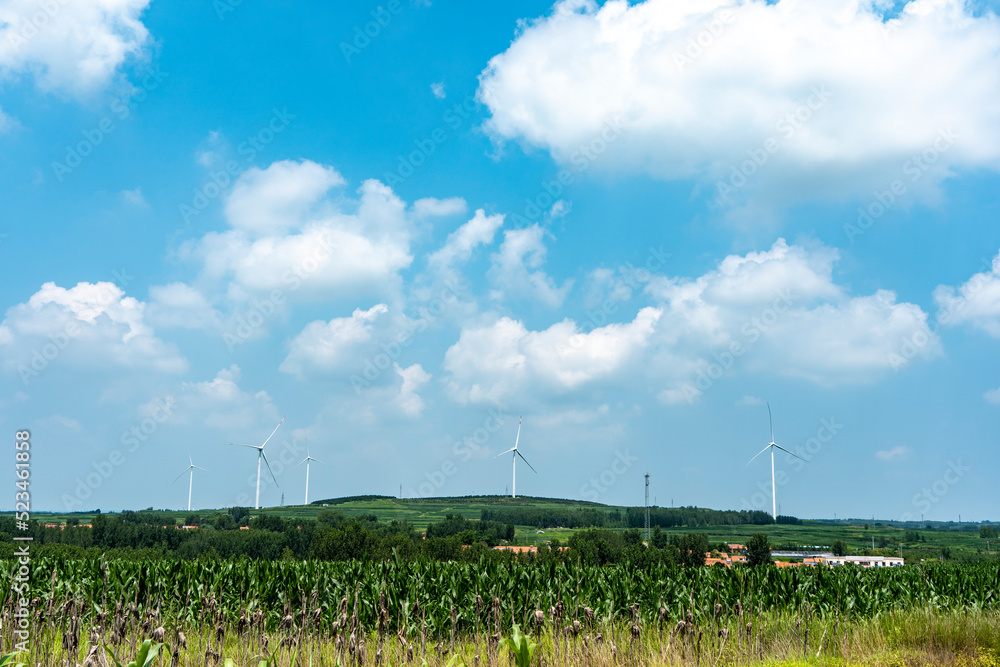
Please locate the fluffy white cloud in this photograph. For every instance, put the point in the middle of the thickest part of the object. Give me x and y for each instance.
(220, 403)
(846, 96)
(272, 200)
(776, 311)
(70, 46)
(504, 362)
(327, 346)
(463, 241)
(181, 306)
(976, 302)
(90, 325)
(779, 311)
(290, 233)
(414, 378)
(430, 207)
(517, 268)
(992, 396)
(897, 453)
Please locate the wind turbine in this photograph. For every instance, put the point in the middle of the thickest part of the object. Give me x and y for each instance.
(513, 487)
(306, 460)
(772, 445)
(191, 468)
(260, 456)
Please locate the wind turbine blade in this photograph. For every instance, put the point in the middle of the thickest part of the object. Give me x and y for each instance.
(317, 460)
(180, 475)
(273, 432)
(788, 452)
(268, 467)
(518, 438)
(525, 461)
(770, 420)
(250, 446)
(302, 461)
(502, 453)
(758, 454)
(199, 467)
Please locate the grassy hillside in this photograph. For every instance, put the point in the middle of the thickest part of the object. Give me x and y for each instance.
(961, 539)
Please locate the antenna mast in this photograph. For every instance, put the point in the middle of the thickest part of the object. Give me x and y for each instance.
(647, 508)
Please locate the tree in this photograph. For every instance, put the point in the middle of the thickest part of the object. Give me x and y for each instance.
(693, 547)
(988, 532)
(758, 550)
(224, 522)
(839, 548)
(190, 520)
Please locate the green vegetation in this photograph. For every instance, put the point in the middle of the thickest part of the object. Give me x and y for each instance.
(560, 519)
(410, 612)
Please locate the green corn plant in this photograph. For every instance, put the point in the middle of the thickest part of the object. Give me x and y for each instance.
(521, 646)
(8, 661)
(144, 658)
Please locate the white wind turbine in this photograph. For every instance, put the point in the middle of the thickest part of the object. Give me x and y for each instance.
(260, 456)
(307, 460)
(772, 445)
(513, 485)
(190, 469)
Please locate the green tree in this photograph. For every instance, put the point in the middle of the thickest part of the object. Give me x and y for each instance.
(988, 532)
(839, 548)
(692, 549)
(758, 550)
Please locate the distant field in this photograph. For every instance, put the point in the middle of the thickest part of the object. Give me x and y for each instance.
(959, 538)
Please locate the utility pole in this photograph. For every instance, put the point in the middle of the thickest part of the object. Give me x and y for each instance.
(646, 505)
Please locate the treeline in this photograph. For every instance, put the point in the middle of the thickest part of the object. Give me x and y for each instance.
(671, 517)
(633, 517)
(333, 536)
(551, 518)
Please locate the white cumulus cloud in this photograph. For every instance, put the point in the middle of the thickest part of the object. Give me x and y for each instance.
(976, 302)
(325, 346)
(846, 96)
(68, 46)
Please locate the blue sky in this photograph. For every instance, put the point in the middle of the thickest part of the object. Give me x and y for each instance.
(633, 224)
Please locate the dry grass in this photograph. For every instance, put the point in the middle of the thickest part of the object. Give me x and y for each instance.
(897, 639)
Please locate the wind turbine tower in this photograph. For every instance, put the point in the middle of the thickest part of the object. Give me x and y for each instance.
(190, 469)
(772, 446)
(647, 508)
(262, 457)
(309, 459)
(516, 453)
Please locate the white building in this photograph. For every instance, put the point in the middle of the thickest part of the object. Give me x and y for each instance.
(863, 561)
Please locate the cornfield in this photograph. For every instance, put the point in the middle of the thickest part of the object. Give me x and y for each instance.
(397, 612)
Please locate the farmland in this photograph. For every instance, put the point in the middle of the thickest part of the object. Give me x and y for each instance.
(960, 540)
